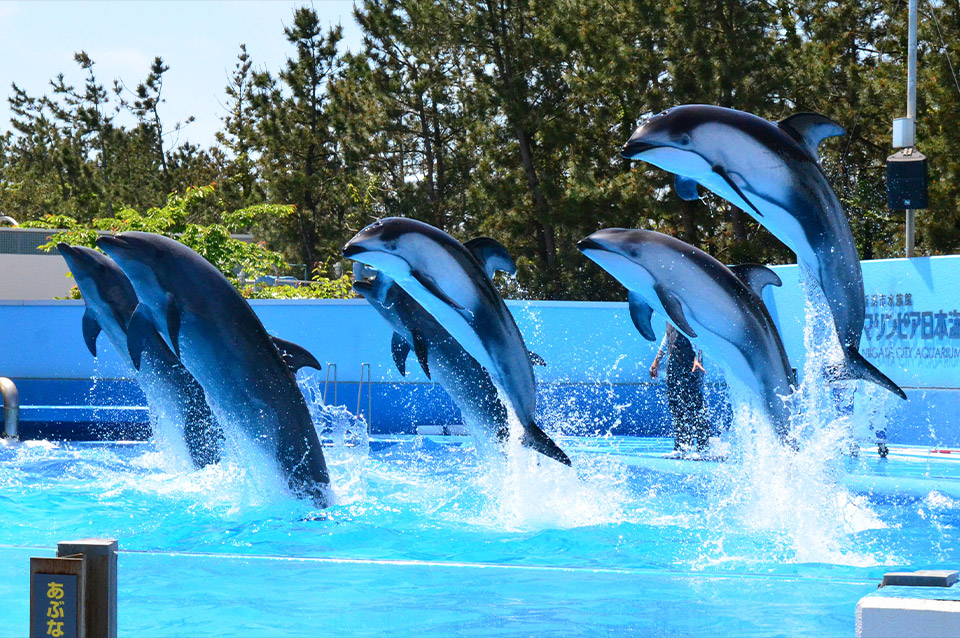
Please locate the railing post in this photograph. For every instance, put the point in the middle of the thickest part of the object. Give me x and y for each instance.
(366, 366)
(327, 382)
(100, 584)
(11, 408)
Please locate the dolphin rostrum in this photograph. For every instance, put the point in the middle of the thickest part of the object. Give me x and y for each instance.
(448, 282)
(247, 375)
(445, 361)
(721, 312)
(172, 392)
(772, 171)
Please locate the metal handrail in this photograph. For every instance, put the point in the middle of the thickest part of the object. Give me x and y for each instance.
(369, 393)
(327, 383)
(9, 220)
(11, 408)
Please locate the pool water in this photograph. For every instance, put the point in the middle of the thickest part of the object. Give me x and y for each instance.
(425, 538)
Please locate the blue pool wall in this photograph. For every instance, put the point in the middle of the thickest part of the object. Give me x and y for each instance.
(596, 379)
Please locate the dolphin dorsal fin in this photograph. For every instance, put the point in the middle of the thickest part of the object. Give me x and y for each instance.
(756, 277)
(809, 129)
(641, 312)
(686, 188)
(295, 356)
(492, 256)
(674, 310)
(400, 349)
(91, 330)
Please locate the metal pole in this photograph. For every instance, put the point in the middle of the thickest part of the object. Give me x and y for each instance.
(11, 408)
(911, 108)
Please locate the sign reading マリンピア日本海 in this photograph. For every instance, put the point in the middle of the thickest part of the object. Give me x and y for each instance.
(896, 328)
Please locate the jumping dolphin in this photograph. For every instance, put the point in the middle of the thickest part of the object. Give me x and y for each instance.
(217, 336)
(171, 391)
(448, 282)
(723, 313)
(445, 361)
(771, 171)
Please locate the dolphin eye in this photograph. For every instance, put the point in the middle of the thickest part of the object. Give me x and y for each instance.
(684, 139)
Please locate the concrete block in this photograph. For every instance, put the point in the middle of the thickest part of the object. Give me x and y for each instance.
(921, 578)
(882, 617)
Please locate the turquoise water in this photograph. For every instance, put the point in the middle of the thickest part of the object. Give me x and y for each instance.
(426, 539)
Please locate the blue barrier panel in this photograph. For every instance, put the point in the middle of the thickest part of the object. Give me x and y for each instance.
(596, 378)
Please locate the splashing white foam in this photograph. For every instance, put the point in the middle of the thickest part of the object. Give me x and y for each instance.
(525, 490)
(798, 496)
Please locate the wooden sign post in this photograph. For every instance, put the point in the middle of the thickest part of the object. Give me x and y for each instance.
(100, 584)
(56, 597)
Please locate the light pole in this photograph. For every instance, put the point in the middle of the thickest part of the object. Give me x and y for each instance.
(911, 111)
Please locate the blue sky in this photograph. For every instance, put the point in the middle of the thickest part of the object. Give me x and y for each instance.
(198, 40)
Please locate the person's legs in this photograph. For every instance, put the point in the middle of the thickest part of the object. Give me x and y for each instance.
(676, 398)
(697, 416)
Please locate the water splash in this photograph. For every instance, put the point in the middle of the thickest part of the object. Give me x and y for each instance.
(798, 496)
(345, 438)
(525, 490)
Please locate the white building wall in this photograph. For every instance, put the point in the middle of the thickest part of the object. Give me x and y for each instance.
(33, 277)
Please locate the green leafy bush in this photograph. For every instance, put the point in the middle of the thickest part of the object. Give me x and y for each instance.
(240, 261)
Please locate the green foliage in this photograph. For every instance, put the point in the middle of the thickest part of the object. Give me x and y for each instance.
(238, 260)
(319, 287)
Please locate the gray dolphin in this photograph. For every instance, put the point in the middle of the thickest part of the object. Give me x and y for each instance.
(445, 361)
(171, 391)
(448, 282)
(772, 171)
(218, 337)
(718, 310)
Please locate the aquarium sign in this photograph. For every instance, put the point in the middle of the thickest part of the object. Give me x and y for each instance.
(54, 601)
(898, 329)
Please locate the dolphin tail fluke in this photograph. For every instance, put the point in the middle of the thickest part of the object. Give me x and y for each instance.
(538, 441)
(859, 368)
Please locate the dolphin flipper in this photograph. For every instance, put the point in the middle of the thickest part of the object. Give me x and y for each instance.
(139, 329)
(859, 368)
(400, 349)
(173, 323)
(295, 356)
(809, 129)
(434, 290)
(492, 256)
(538, 441)
(719, 170)
(420, 349)
(640, 312)
(535, 359)
(91, 330)
(674, 310)
(756, 277)
(686, 189)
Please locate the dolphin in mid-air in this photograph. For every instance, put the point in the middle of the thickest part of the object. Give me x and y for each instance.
(448, 282)
(171, 391)
(445, 361)
(718, 309)
(248, 376)
(772, 171)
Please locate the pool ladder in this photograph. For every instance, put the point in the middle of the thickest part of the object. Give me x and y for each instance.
(364, 367)
(11, 408)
